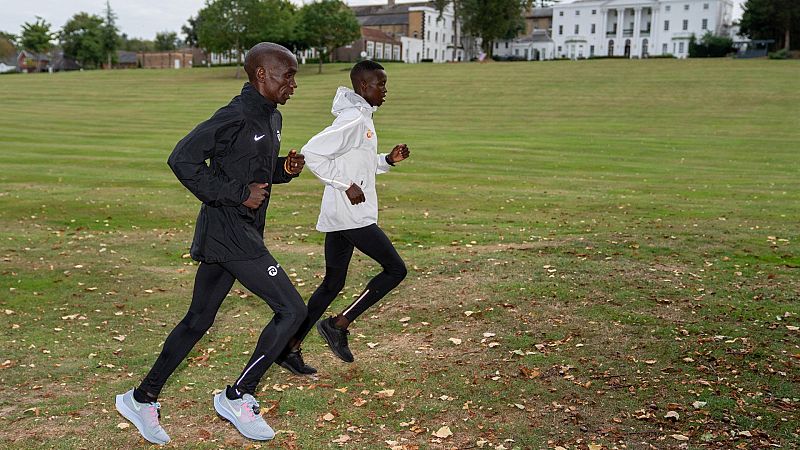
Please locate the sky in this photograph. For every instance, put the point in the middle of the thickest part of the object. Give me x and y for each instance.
(136, 18)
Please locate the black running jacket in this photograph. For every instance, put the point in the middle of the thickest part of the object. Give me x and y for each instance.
(241, 141)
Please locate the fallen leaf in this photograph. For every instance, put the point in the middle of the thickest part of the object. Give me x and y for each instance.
(595, 447)
(123, 425)
(372, 344)
(680, 437)
(698, 405)
(405, 319)
(443, 432)
(455, 341)
(385, 393)
(328, 417)
(341, 439)
(672, 415)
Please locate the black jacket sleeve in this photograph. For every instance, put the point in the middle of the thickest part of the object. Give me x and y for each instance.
(280, 175)
(188, 162)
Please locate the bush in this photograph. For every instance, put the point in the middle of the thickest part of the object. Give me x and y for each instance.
(780, 54)
(710, 46)
(665, 55)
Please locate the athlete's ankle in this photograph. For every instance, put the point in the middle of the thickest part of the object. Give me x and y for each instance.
(341, 322)
(143, 397)
(232, 393)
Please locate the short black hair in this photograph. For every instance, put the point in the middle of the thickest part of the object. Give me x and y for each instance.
(264, 54)
(361, 68)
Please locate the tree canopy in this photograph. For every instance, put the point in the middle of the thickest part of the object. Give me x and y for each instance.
(82, 39)
(772, 19)
(492, 20)
(325, 25)
(36, 37)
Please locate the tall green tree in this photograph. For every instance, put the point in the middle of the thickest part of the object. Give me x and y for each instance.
(82, 39)
(36, 37)
(190, 31)
(441, 5)
(110, 35)
(166, 40)
(325, 25)
(772, 19)
(136, 44)
(492, 20)
(7, 48)
(236, 25)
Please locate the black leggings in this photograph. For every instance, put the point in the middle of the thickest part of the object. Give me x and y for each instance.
(339, 245)
(265, 278)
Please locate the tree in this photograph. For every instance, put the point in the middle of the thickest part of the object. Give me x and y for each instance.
(327, 24)
(110, 35)
(7, 48)
(226, 25)
(190, 31)
(441, 5)
(82, 39)
(710, 46)
(136, 44)
(36, 36)
(772, 19)
(166, 40)
(492, 19)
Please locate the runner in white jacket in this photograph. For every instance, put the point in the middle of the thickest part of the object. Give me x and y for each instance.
(344, 157)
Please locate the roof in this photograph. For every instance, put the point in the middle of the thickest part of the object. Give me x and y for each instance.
(34, 56)
(379, 10)
(373, 34)
(539, 12)
(60, 62)
(383, 19)
(536, 36)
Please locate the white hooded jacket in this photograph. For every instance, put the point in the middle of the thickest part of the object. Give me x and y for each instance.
(342, 154)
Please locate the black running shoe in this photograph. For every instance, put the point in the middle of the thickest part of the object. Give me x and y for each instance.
(336, 339)
(293, 362)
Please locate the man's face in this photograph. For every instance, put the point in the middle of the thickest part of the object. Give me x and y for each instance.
(279, 83)
(374, 87)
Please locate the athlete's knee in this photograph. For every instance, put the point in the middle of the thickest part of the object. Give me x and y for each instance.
(334, 280)
(196, 324)
(397, 269)
(295, 313)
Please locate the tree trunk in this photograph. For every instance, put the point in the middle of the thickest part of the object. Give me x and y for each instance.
(786, 40)
(238, 61)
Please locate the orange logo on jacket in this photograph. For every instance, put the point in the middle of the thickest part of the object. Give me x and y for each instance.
(369, 134)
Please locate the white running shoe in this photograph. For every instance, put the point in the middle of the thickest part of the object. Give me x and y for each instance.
(245, 415)
(144, 416)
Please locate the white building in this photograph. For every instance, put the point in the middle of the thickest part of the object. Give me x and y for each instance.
(536, 47)
(412, 49)
(636, 28)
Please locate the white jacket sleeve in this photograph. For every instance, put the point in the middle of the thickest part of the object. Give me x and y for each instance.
(332, 142)
(383, 166)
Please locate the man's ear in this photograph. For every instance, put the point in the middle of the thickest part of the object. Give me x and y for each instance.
(261, 74)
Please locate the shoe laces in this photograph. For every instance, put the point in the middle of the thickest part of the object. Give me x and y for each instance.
(253, 408)
(153, 413)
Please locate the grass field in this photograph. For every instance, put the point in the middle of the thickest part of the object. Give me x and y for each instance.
(602, 254)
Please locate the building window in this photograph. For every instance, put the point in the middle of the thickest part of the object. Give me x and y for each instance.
(561, 14)
(559, 49)
(577, 12)
(591, 51)
(428, 54)
(506, 44)
(680, 47)
(685, 24)
(516, 52)
(664, 49)
(667, 8)
(496, 45)
(370, 49)
(593, 28)
(429, 35)
(560, 30)
(387, 51)
(436, 54)
(594, 11)
(436, 37)
(416, 35)
(666, 25)
(686, 7)
(577, 29)
(705, 24)
(378, 50)
(705, 5)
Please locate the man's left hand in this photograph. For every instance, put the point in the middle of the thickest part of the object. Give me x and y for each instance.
(294, 162)
(399, 153)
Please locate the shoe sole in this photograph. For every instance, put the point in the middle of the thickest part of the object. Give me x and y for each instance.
(225, 414)
(291, 369)
(134, 418)
(324, 334)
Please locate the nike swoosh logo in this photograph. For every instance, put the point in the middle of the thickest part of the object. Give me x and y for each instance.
(237, 413)
(258, 138)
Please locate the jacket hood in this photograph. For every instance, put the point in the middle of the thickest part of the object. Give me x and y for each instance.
(347, 98)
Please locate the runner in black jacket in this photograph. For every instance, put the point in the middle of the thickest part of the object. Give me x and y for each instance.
(241, 141)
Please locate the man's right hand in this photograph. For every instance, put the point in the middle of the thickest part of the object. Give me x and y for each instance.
(355, 194)
(257, 195)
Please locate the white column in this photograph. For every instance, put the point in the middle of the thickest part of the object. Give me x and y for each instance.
(618, 43)
(654, 30)
(603, 28)
(637, 25)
